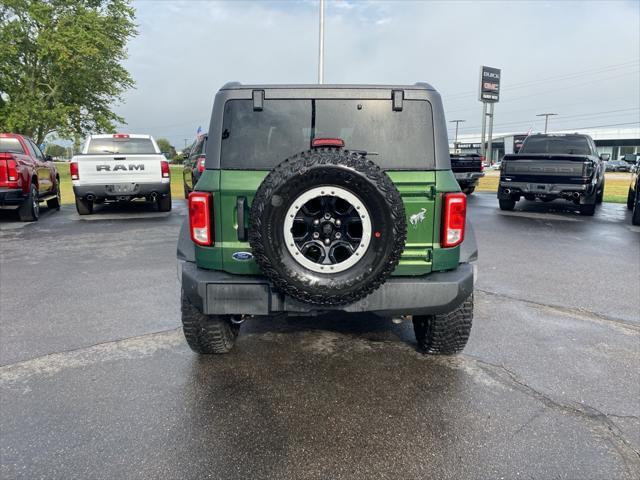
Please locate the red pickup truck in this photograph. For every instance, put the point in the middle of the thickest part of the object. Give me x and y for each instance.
(27, 177)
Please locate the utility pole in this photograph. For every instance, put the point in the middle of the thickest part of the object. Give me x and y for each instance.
(185, 143)
(546, 119)
(457, 122)
(321, 46)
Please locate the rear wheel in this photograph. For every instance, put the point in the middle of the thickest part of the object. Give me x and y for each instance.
(54, 203)
(600, 194)
(84, 207)
(468, 190)
(207, 333)
(29, 211)
(588, 209)
(507, 205)
(445, 333)
(164, 203)
(635, 218)
(630, 198)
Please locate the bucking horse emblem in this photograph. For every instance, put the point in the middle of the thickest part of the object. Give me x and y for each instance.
(417, 218)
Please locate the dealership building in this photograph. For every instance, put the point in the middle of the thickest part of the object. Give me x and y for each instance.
(615, 141)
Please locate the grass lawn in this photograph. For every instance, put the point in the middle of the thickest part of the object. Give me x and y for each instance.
(616, 185)
(177, 190)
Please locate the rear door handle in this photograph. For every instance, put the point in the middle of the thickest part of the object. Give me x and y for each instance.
(240, 207)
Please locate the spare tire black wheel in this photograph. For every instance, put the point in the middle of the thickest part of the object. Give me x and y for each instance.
(327, 226)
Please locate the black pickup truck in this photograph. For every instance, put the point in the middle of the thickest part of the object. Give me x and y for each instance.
(551, 166)
(468, 169)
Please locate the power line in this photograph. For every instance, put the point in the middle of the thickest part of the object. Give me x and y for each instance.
(564, 119)
(566, 76)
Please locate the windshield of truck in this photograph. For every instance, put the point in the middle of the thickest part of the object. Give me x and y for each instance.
(566, 145)
(102, 146)
(10, 145)
(260, 140)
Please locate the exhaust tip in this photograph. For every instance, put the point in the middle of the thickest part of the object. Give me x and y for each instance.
(507, 191)
(91, 197)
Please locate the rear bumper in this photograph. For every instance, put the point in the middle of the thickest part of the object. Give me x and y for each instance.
(507, 189)
(221, 293)
(106, 191)
(11, 198)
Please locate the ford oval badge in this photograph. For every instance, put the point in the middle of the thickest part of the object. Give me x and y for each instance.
(242, 256)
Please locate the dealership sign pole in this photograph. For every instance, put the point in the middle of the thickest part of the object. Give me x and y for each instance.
(489, 93)
(321, 45)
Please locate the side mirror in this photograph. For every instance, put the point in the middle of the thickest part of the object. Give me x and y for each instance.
(48, 158)
(605, 156)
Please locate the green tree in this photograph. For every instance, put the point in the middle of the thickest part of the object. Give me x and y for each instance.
(166, 148)
(61, 65)
(55, 150)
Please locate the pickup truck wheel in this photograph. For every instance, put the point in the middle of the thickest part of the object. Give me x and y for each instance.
(54, 203)
(507, 205)
(29, 211)
(635, 217)
(327, 226)
(164, 203)
(207, 333)
(588, 209)
(630, 199)
(445, 333)
(84, 207)
(600, 194)
(468, 190)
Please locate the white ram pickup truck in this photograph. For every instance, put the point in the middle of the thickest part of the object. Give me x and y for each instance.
(120, 167)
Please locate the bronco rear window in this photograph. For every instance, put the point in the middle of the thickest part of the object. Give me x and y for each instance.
(568, 145)
(394, 140)
(99, 146)
(10, 145)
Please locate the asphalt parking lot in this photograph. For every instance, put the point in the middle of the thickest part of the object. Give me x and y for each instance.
(97, 382)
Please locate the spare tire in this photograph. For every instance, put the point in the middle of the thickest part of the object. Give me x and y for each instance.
(328, 226)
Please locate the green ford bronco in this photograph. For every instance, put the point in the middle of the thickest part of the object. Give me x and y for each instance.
(327, 198)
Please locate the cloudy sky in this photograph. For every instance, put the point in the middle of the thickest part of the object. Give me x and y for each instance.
(578, 59)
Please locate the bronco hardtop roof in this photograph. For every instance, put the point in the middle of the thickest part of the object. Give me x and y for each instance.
(325, 86)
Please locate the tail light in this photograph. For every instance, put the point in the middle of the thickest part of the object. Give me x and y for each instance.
(481, 166)
(200, 163)
(121, 135)
(200, 218)
(73, 170)
(12, 171)
(166, 173)
(454, 217)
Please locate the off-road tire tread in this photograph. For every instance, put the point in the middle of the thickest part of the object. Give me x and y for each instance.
(298, 165)
(446, 333)
(207, 334)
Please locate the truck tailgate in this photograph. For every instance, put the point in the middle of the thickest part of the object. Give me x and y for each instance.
(547, 168)
(110, 169)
